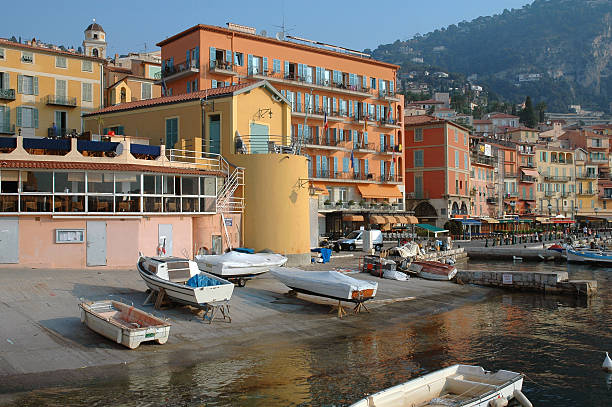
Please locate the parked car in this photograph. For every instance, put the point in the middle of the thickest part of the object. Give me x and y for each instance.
(354, 241)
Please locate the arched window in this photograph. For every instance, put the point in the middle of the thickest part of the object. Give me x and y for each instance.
(95, 52)
(123, 95)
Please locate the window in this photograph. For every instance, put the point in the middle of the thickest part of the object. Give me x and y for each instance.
(1, 53)
(345, 164)
(456, 159)
(276, 66)
(61, 62)
(418, 135)
(456, 136)
(87, 92)
(465, 139)
(86, 66)
(146, 90)
(239, 58)
(27, 57)
(418, 158)
(171, 132)
(465, 161)
(27, 117)
(27, 85)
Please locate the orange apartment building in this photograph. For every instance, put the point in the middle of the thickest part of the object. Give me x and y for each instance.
(437, 169)
(346, 116)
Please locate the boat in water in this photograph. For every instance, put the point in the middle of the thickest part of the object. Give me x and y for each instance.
(239, 266)
(328, 284)
(182, 281)
(433, 270)
(594, 256)
(123, 323)
(456, 386)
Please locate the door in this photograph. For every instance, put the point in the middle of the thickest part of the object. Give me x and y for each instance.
(259, 139)
(164, 237)
(96, 243)
(9, 240)
(61, 122)
(214, 131)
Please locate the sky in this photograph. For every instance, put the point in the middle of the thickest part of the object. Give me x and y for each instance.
(135, 25)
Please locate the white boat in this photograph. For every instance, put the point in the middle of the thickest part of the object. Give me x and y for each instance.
(458, 385)
(329, 284)
(172, 274)
(236, 265)
(123, 323)
(589, 256)
(433, 270)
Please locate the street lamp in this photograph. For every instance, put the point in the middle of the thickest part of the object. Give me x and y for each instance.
(549, 209)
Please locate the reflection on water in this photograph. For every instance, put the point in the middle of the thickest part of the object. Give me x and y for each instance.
(558, 342)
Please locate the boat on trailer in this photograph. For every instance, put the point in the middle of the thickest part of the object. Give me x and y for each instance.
(433, 270)
(123, 323)
(454, 386)
(173, 273)
(593, 256)
(239, 266)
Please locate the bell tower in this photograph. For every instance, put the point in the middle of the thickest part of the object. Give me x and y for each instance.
(95, 40)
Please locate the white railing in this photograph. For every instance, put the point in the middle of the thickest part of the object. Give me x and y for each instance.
(226, 199)
(199, 159)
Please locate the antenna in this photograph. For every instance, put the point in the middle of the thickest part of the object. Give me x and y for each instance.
(284, 29)
(263, 33)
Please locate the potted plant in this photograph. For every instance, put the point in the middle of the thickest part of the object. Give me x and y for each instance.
(339, 203)
(362, 203)
(327, 202)
(385, 205)
(351, 202)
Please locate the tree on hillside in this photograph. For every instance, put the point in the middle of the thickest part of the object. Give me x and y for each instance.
(541, 109)
(528, 116)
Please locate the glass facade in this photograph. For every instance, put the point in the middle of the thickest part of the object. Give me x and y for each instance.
(105, 192)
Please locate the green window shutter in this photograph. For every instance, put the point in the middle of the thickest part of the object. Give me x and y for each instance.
(391, 87)
(5, 80)
(250, 64)
(213, 52)
(187, 58)
(7, 114)
(35, 114)
(19, 83)
(286, 68)
(265, 63)
(35, 86)
(365, 137)
(228, 56)
(19, 115)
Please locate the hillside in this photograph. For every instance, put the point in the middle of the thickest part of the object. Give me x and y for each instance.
(567, 42)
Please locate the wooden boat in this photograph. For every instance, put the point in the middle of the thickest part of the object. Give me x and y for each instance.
(123, 323)
(329, 284)
(239, 265)
(458, 385)
(589, 256)
(172, 274)
(433, 270)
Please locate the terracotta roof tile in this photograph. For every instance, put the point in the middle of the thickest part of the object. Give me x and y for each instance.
(71, 165)
(51, 50)
(216, 92)
(503, 116)
(426, 102)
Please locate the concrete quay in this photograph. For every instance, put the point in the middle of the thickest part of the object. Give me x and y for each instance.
(548, 282)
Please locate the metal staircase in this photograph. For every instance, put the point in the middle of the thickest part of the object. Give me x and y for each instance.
(227, 201)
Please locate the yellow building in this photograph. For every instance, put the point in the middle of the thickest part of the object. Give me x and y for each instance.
(41, 87)
(131, 78)
(556, 188)
(249, 125)
(587, 188)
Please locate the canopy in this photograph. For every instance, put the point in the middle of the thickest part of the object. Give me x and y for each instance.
(541, 219)
(412, 219)
(318, 188)
(489, 220)
(566, 221)
(530, 172)
(391, 219)
(431, 228)
(401, 219)
(352, 218)
(377, 219)
(379, 191)
(470, 221)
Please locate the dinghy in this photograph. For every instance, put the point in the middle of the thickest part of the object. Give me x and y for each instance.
(238, 265)
(173, 273)
(123, 323)
(433, 270)
(329, 284)
(589, 256)
(454, 386)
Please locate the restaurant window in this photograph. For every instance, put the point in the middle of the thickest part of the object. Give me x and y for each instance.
(99, 183)
(100, 203)
(127, 183)
(152, 184)
(9, 181)
(168, 185)
(127, 203)
(70, 182)
(208, 186)
(36, 181)
(152, 204)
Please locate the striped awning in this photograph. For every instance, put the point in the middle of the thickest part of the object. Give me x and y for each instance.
(401, 219)
(352, 218)
(412, 219)
(391, 219)
(377, 220)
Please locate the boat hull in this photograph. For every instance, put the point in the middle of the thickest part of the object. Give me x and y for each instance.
(433, 270)
(237, 265)
(589, 257)
(458, 385)
(196, 296)
(97, 316)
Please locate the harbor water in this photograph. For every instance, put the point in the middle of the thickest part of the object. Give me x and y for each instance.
(557, 342)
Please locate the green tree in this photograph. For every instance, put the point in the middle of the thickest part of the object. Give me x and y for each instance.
(541, 108)
(528, 116)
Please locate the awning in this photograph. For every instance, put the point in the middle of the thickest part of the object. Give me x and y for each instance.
(412, 220)
(541, 219)
(470, 221)
(530, 172)
(377, 219)
(489, 220)
(391, 219)
(318, 188)
(564, 221)
(352, 218)
(431, 228)
(400, 219)
(379, 191)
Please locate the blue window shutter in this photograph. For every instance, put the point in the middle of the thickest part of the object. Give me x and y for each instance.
(265, 64)
(197, 54)
(7, 114)
(357, 166)
(392, 171)
(228, 55)
(366, 170)
(19, 83)
(213, 53)
(163, 67)
(382, 142)
(250, 64)
(391, 143)
(316, 102)
(345, 164)
(35, 81)
(365, 137)
(19, 116)
(188, 87)
(318, 166)
(336, 169)
(35, 114)
(334, 105)
(391, 87)
(187, 58)
(350, 108)
(286, 68)
(365, 81)
(382, 168)
(213, 83)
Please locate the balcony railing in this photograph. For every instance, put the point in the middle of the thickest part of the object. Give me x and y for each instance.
(60, 100)
(562, 178)
(368, 147)
(527, 178)
(7, 128)
(388, 123)
(178, 70)
(588, 175)
(483, 159)
(417, 195)
(492, 201)
(223, 67)
(61, 133)
(549, 193)
(264, 144)
(389, 178)
(585, 192)
(7, 94)
(510, 174)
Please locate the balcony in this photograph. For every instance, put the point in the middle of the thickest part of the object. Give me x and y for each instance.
(483, 159)
(264, 144)
(7, 94)
(294, 80)
(59, 100)
(387, 149)
(511, 194)
(388, 123)
(60, 133)
(173, 72)
(528, 165)
(586, 192)
(510, 175)
(390, 178)
(327, 144)
(317, 114)
(364, 147)
(417, 195)
(549, 193)
(223, 68)
(7, 128)
(588, 175)
(344, 176)
(527, 178)
(388, 96)
(492, 201)
(558, 178)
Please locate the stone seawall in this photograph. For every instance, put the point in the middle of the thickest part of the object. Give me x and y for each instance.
(548, 282)
(509, 253)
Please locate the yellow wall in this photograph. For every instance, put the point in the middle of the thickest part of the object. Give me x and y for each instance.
(43, 68)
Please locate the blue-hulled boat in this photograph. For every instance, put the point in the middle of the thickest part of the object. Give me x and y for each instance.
(589, 256)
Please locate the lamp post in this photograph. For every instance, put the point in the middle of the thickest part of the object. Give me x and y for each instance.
(575, 216)
(512, 203)
(596, 210)
(549, 209)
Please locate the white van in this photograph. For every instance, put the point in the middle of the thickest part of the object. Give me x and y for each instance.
(354, 240)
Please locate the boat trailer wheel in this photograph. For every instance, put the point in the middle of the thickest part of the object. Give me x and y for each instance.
(241, 282)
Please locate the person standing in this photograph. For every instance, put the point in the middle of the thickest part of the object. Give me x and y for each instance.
(54, 130)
